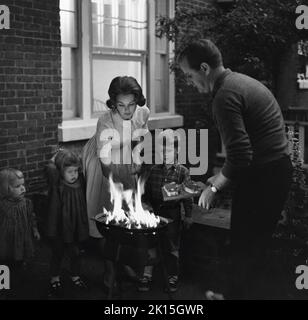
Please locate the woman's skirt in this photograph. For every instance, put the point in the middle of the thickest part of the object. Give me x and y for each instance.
(97, 185)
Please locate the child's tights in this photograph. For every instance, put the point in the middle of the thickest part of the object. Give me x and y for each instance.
(59, 249)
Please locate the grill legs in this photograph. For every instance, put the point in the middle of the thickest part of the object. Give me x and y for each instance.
(116, 276)
(164, 269)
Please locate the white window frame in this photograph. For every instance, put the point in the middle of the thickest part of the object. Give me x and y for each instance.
(75, 47)
(84, 127)
(151, 65)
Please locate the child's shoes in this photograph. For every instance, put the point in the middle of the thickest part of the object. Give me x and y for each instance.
(55, 290)
(144, 284)
(79, 284)
(210, 295)
(173, 282)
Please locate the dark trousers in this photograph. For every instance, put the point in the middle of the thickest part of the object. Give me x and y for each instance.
(170, 240)
(59, 250)
(258, 200)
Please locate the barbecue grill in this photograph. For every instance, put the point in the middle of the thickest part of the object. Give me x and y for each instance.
(135, 238)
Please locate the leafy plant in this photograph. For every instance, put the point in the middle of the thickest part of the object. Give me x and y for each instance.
(298, 195)
(294, 225)
(253, 35)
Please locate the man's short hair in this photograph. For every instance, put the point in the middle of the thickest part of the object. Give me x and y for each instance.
(200, 51)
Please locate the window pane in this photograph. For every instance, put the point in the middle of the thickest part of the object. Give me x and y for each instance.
(67, 61)
(68, 83)
(122, 25)
(138, 24)
(68, 27)
(68, 99)
(105, 70)
(108, 25)
(119, 24)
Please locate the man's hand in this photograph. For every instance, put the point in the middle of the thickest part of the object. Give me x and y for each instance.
(211, 180)
(188, 221)
(206, 198)
(219, 181)
(36, 235)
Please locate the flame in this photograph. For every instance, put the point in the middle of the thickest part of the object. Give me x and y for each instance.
(135, 216)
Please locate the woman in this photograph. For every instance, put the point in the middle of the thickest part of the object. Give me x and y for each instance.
(126, 103)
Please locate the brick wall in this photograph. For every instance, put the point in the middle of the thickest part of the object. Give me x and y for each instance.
(30, 84)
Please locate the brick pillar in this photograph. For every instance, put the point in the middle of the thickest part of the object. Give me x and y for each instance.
(30, 84)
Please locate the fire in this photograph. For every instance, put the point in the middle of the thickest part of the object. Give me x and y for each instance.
(135, 216)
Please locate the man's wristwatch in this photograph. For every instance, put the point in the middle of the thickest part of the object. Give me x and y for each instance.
(213, 188)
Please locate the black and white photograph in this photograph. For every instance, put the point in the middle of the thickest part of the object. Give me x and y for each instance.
(153, 150)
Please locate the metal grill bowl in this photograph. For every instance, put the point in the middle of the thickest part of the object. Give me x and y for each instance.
(127, 236)
(130, 246)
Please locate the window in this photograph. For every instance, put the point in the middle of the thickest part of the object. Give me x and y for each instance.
(119, 44)
(69, 52)
(102, 39)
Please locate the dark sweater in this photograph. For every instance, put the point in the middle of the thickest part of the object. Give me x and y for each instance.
(250, 122)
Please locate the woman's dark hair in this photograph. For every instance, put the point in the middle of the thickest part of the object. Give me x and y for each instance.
(125, 85)
(66, 158)
(200, 51)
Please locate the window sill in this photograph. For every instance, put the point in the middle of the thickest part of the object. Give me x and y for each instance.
(75, 130)
(165, 121)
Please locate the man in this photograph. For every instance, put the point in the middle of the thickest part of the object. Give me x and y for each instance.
(251, 126)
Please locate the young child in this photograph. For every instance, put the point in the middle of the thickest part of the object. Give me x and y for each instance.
(67, 222)
(17, 224)
(169, 171)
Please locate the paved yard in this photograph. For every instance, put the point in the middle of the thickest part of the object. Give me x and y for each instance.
(198, 276)
(34, 286)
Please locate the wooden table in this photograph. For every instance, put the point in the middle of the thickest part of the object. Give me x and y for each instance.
(217, 217)
(205, 242)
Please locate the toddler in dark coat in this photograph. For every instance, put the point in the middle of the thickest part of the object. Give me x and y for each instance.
(17, 224)
(67, 220)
